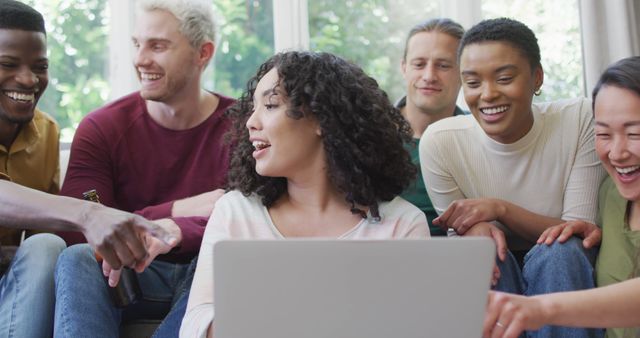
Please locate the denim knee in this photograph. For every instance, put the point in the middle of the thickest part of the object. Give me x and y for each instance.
(560, 255)
(558, 267)
(76, 254)
(40, 252)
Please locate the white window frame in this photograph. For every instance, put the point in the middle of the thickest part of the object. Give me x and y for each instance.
(122, 77)
(290, 25)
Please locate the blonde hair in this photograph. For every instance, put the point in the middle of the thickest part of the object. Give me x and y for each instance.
(195, 17)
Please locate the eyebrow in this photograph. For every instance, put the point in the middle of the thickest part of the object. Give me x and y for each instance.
(159, 40)
(626, 124)
(151, 40)
(13, 58)
(270, 91)
(498, 70)
(437, 58)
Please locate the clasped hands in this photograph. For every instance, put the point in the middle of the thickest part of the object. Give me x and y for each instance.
(147, 248)
(139, 241)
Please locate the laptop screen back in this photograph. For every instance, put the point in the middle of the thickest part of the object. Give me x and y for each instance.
(336, 288)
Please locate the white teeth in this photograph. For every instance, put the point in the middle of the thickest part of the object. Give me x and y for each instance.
(260, 145)
(496, 110)
(627, 170)
(21, 96)
(149, 76)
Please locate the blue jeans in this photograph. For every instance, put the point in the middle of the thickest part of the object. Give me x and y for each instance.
(84, 307)
(170, 326)
(554, 268)
(27, 294)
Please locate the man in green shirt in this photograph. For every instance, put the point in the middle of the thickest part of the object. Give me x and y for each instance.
(430, 69)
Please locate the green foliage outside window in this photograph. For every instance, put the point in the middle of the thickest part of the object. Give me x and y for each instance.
(370, 33)
(77, 34)
(246, 41)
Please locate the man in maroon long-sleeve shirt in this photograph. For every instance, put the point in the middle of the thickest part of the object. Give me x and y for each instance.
(148, 152)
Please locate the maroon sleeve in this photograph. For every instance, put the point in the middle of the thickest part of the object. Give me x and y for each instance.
(89, 168)
(89, 165)
(157, 211)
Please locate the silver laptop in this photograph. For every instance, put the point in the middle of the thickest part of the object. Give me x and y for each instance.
(352, 289)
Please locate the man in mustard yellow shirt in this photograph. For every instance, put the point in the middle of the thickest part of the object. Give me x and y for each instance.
(28, 156)
(32, 158)
(29, 151)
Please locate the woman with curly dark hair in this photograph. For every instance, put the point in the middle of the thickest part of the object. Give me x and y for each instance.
(318, 153)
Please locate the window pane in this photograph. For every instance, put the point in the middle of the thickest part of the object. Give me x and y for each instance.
(77, 34)
(557, 27)
(370, 33)
(246, 41)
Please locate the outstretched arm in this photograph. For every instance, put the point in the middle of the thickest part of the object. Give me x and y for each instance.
(115, 234)
(615, 305)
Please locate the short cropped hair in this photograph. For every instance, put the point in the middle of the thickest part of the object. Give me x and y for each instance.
(440, 25)
(17, 15)
(624, 74)
(195, 17)
(362, 132)
(506, 30)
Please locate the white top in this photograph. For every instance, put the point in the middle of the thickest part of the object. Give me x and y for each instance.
(239, 217)
(553, 170)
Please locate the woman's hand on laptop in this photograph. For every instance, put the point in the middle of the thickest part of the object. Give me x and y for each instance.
(590, 232)
(463, 214)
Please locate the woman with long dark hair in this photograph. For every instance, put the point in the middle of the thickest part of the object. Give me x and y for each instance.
(318, 153)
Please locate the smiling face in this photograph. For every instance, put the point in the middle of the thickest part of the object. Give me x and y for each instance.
(166, 63)
(617, 116)
(284, 146)
(498, 85)
(23, 73)
(431, 72)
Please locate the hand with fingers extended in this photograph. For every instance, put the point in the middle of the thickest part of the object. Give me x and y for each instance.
(152, 245)
(119, 237)
(490, 230)
(463, 214)
(590, 232)
(508, 315)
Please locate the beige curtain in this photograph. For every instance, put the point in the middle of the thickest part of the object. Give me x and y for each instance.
(610, 32)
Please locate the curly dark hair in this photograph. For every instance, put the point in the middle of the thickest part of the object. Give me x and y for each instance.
(504, 30)
(362, 133)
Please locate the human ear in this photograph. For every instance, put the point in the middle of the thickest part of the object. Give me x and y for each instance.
(205, 53)
(538, 78)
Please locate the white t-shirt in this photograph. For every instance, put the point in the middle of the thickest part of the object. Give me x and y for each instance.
(239, 217)
(552, 171)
